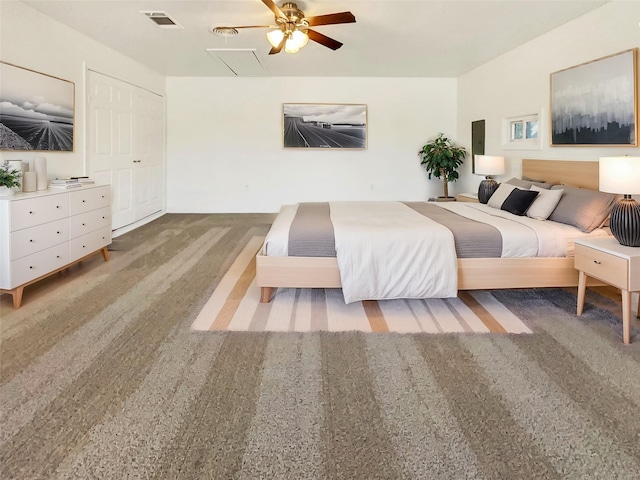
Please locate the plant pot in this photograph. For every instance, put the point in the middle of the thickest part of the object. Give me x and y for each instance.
(6, 191)
(446, 199)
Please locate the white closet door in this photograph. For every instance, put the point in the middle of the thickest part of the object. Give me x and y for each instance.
(126, 146)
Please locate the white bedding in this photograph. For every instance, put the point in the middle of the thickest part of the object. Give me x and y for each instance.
(524, 237)
(394, 253)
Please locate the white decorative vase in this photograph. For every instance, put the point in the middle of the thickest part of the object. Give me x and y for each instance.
(40, 167)
(6, 191)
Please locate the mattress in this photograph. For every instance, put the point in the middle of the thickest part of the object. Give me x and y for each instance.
(479, 231)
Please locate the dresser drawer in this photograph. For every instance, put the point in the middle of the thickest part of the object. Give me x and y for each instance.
(87, 199)
(35, 211)
(87, 222)
(31, 240)
(25, 269)
(603, 266)
(89, 243)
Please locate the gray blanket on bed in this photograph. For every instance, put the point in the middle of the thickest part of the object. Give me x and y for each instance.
(311, 232)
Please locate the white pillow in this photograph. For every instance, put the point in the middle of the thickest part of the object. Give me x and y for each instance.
(500, 195)
(545, 203)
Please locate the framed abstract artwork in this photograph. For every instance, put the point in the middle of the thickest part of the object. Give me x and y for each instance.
(596, 103)
(321, 125)
(36, 110)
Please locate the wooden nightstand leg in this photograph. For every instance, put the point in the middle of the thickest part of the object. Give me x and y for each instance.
(582, 286)
(626, 316)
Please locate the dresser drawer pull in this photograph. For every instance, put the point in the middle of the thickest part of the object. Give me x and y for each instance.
(597, 262)
(30, 241)
(57, 206)
(30, 267)
(30, 212)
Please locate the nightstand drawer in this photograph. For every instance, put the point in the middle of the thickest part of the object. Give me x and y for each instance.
(603, 266)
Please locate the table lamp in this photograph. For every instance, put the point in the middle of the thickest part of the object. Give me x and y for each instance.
(488, 165)
(621, 175)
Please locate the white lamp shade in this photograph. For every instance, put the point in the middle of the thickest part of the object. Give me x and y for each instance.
(299, 38)
(275, 37)
(620, 175)
(489, 165)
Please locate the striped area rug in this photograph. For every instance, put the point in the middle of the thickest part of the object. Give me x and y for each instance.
(235, 306)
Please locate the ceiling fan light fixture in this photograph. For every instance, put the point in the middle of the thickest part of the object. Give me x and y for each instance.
(290, 47)
(299, 38)
(275, 37)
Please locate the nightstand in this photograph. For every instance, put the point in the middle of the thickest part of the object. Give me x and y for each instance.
(467, 197)
(608, 261)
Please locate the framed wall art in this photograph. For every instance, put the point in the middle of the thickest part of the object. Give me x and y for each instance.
(596, 103)
(322, 125)
(477, 141)
(36, 110)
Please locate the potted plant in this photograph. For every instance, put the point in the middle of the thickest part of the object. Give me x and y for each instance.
(9, 178)
(441, 159)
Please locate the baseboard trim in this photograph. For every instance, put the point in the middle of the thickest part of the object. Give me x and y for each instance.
(139, 223)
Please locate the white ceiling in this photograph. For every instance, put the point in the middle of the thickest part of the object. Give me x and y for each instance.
(391, 38)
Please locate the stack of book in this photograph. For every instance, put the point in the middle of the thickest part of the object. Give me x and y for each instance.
(69, 183)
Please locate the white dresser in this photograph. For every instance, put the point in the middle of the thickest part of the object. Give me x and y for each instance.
(44, 232)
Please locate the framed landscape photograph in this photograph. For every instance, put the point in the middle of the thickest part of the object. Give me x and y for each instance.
(322, 125)
(36, 110)
(596, 104)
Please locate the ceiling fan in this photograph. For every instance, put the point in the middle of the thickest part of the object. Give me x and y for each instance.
(292, 31)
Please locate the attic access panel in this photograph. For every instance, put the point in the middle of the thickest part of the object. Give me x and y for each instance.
(240, 61)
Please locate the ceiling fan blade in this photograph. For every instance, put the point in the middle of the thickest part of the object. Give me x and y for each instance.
(323, 40)
(331, 19)
(279, 48)
(274, 8)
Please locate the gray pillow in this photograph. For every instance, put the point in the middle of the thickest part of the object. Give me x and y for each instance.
(526, 184)
(582, 208)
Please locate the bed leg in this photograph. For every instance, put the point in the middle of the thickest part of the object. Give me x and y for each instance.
(265, 294)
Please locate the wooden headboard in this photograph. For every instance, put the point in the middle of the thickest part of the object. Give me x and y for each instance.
(579, 173)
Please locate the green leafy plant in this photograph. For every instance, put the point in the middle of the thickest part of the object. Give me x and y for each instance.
(441, 159)
(9, 177)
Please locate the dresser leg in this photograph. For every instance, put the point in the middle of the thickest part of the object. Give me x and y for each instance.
(16, 293)
(582, 286)
(626, 316)
(105, 254)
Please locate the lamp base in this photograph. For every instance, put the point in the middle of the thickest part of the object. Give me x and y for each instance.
(625, 222)
(486, 189)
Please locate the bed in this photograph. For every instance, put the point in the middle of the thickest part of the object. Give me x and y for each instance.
(275, 271)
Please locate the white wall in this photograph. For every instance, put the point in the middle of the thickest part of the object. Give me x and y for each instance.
(225, 153)
(517, 83)
(32, 40)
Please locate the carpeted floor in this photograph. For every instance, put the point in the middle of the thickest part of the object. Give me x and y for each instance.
(102, 377)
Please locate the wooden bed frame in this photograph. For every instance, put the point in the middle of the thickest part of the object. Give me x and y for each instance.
(473, 273)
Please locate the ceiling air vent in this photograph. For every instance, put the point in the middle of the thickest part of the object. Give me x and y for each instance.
(161, 19)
